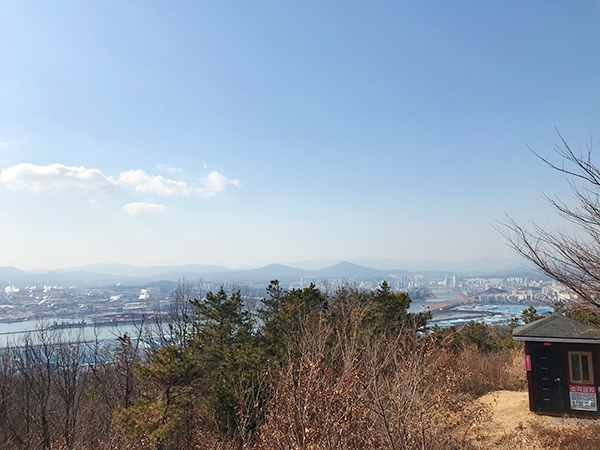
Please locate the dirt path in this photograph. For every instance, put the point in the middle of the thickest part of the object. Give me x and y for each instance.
(513, 426)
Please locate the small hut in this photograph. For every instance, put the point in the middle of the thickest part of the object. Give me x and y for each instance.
(562, 359)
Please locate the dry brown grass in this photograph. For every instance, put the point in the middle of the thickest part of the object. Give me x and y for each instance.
(513, 427)
(396, 393)
(583, 436)
(482, 372)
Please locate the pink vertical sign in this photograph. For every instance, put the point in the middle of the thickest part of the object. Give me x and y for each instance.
(528, 363)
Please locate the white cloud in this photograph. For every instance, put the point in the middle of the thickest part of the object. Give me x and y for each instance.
(141, 207)
(3, 144)
(58, 177)
(53, 177)
(169, 169)
(216, 182)
(142, 182)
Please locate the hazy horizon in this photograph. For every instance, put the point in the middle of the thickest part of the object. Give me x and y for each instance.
(242, 135)
(483, 264)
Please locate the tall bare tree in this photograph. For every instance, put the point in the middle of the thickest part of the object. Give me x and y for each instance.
(571, 258)
(69, 378)
(174, 326)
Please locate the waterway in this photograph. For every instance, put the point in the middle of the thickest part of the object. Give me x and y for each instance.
(457, 314)
(450, 316)
(493, 314)
(12, 332)
(442, 295)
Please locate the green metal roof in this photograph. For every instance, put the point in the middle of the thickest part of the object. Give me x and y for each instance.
(557, 328)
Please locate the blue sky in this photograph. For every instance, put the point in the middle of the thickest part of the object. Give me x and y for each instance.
(247, 133)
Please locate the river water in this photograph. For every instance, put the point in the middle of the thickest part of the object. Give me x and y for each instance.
(14, 331)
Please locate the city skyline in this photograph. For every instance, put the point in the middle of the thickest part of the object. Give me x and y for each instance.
(248, 134)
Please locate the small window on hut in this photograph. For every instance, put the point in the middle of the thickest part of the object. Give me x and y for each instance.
(580, 367)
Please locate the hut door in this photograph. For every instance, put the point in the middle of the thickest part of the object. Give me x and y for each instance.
(548, 363)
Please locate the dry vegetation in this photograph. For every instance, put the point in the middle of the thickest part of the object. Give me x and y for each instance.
(480, 373)
(341, 377)
(398, 395)
(513, 426)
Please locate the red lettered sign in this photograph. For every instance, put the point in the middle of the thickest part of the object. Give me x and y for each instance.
(583, 398)
(582, 389)
(528, 363)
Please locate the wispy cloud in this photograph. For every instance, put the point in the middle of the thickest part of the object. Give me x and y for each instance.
(170, 169)
(54, 177)
(142, 182)
(216, 182)
(142, 207)
(3, 144)
(57, 177)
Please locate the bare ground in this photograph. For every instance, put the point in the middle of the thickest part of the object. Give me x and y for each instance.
(512, 426)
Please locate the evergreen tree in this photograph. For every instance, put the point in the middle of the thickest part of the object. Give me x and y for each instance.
(224, 344)
(530, 315)
(285, 313)
(389, 312)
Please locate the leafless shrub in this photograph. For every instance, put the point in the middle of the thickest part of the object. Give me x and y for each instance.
(251, 410)
(52, 387)
(480, 373)
(174, 326)
(391, 393)
(567, 437)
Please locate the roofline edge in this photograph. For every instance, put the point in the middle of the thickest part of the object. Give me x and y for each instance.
(554, 339)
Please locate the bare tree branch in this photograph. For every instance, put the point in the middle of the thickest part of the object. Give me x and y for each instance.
(572, 259)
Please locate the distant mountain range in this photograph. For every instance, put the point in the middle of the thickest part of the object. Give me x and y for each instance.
(113, 274)
(148, 271)
(477, 266)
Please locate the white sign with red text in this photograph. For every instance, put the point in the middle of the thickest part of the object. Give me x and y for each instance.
(583, 398)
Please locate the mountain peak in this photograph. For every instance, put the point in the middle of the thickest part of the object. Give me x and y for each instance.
(346, 264)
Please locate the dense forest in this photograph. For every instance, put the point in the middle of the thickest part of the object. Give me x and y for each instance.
(310, 370)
